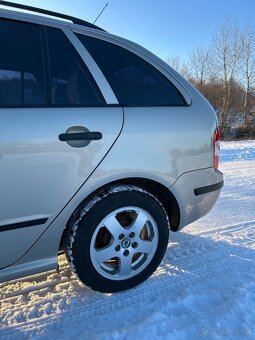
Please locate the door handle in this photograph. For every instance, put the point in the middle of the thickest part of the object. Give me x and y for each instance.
(64, 137)
(79, 136)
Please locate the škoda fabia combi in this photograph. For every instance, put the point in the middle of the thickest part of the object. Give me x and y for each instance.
(104, 148)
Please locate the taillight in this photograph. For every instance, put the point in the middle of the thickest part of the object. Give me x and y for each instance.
(216, 148)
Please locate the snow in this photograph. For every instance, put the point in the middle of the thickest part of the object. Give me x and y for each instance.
(234, 151)
(204, 288)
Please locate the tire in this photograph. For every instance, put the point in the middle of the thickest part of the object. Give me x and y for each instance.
(118, 240)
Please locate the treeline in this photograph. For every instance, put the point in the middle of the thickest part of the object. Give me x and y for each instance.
(225, 74)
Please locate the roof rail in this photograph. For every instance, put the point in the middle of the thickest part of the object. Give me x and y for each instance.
(51, 13)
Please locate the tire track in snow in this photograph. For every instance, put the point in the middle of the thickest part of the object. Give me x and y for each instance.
(196, 268)
(184, 255)
(141, 295)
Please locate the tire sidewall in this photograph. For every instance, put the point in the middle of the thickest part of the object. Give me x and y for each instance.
(84, 267)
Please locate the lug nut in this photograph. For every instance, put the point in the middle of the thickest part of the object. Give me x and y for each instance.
(121, 236)
(132, 235)
(134, 245)
(117, 248)
(126, 252)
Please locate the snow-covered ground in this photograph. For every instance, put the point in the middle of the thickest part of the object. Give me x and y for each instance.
(205, 286)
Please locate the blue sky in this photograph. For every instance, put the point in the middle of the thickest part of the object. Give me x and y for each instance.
(166, 27)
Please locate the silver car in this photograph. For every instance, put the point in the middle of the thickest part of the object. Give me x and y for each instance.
(104, 148)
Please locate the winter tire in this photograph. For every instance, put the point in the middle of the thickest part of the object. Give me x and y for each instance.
(118, 240)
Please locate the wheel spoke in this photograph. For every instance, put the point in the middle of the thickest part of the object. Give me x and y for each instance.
(104, 254)
(114, 227)
(125, 265)
(139, 222)
(145, 247)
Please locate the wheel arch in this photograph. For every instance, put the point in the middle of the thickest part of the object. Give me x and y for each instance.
(162, 193)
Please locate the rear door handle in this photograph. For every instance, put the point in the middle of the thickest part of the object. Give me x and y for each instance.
(64, 137)
(79, 136)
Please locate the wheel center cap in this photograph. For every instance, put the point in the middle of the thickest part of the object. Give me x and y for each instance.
(125, 243)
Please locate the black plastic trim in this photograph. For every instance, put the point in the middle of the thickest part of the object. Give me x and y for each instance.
(208, 188)
(64, 137)
(20, 225)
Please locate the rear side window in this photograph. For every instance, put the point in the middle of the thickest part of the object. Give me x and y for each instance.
(71, 81)
(134, 81)
(22, 81)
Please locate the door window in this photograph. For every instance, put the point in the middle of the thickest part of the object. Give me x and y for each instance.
(71, 82)
(22, 81)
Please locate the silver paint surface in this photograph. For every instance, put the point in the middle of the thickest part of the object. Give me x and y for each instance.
(41, 177)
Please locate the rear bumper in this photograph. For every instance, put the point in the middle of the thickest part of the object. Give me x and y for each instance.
(196, 193)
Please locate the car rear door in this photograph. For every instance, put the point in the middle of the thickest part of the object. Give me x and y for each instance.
(57, 124)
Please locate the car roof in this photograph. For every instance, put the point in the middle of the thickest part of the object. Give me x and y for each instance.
(38, 11)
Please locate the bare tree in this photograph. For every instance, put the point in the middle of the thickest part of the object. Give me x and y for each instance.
(248, 61)
(225, 74)
(226, 52)
(180, 66)
(185, 71)
(200, 61)
(175, 62)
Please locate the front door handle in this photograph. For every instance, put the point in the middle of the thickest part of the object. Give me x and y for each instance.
(79, 136)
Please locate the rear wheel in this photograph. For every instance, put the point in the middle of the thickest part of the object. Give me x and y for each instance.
(119, 239)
